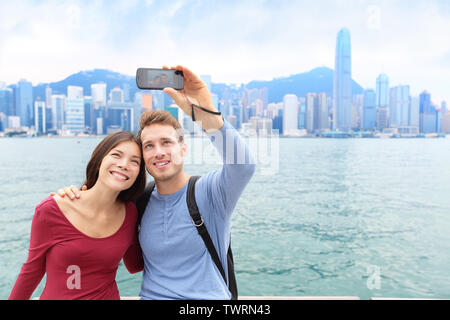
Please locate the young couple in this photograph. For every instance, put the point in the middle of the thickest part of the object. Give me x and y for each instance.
(78, 240)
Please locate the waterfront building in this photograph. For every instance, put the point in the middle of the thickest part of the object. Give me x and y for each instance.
(382, 89)
(259, 107)
(251, 111)
(238, 112)
(445, 123)
(40, 118)
(321, 114)
(261, 126)
(58, 110)
(13, 122)
(369, 113)
(232, 119)
(382, 118)
(290, 117)
(438, 119)
(126, 92)
(48, 96)
(116, 96)
(121, 115)
(264, 96)
(74, 93)
(74, 116)
(144, 101)
(3, 122)
(399, 106)
(98, 93)
(277, 123)
(414, 112)
(429, 121)
(357, 111)
(7, 101)
(24, 103)
(427, 115)
(342, 87)
(301, 114)
(89, 114)
(311, 105)
(158, 99)
(444, 107)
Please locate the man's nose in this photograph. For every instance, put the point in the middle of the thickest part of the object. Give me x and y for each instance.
(159, 152)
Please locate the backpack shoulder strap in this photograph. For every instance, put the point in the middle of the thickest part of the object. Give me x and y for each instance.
(141, 202)
(199, 224)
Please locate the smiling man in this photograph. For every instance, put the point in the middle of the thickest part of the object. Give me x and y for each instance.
(177, 264)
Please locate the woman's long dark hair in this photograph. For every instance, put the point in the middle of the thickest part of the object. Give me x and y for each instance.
(102, 149)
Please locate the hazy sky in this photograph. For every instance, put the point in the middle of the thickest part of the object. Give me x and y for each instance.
(233, 41)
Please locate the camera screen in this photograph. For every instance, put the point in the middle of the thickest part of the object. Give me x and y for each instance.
(160, 78)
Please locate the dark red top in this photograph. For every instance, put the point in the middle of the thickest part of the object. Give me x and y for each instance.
(77, 266)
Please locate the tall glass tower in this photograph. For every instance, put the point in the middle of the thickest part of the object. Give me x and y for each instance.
(342, 91)
(24, 103)
(382, 91)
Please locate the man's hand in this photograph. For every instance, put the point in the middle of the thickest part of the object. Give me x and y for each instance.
(72, 192)
(197, 92)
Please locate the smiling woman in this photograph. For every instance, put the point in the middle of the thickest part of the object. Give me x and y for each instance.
(80, 244)
(110, 150)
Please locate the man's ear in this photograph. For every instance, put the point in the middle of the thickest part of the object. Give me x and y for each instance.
(184, 149)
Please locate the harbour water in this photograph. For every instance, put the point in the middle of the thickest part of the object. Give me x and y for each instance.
(339, 217)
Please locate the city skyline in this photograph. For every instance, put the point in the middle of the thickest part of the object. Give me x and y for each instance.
(48, 40)
(100, 110)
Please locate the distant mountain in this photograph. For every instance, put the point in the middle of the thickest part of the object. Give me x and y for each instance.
(84, 79)
(317, 80)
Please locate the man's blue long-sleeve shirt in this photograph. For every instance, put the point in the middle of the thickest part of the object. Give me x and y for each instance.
(177, 264)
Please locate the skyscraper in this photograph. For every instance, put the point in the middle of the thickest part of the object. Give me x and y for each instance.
(74, 114)
(312, 103)
(6, 102)
(369, 110)
(116, 95)
(322, 113)
(399, 106)
(444, 107)
(40, 117)
(382, 91)
(428, 114)
(98, 93)
(74, 93)
(24, 103)
(58, 107)
(48, 96)
(290, 114)
(414, 111)
(342, 91)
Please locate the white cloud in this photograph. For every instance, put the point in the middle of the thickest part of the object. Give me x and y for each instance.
(234, 41)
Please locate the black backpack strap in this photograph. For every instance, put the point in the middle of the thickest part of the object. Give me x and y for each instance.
(141, 202)
(201, 228)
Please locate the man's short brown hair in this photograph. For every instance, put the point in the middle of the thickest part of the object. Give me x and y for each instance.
(160, 117)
